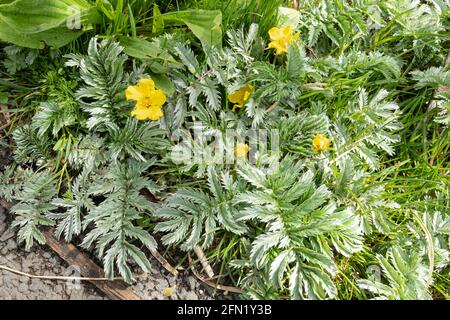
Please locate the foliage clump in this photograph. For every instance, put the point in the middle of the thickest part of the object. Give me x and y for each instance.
(352, 177)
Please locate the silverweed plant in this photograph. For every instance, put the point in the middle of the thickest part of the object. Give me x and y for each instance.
(300, 150)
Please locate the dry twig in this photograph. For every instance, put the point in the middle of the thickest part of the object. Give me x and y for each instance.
(209, 282)
(2, 267)
(164, 263)
(204, 261)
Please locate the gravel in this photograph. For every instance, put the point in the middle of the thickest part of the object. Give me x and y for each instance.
(43, 261)
(38, 262)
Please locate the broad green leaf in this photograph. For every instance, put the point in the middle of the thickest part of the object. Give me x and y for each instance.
(206, 25)
(163, 82)
(145, 50)
(288, 17)
(56, 37)
(29, 16)
(158, 60)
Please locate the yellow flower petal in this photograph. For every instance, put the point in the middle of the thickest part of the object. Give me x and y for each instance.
(236, 106)
(281, 48)
(287, 32)
(276, 34)
(144, 113)
(168, 292)
(149, 100)
(235, 97)
(246, 95)
(241, 150)
(157, 97)
(321, 143)
(146, 85)
(280, 38)
(142, 90)
(133, 93)
(241, 96)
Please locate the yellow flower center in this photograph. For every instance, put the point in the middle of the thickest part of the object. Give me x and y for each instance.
(321, 143)
(149, 100)
(146, 102)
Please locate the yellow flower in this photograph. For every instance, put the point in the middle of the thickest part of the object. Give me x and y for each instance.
(241, 150)
(241, 96)
(321, 143)
(149, 100)
(281, 37)
(168, 292)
